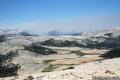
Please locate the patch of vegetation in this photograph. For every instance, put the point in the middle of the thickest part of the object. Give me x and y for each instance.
(61, 50)
(9, 70)
(106, 43)
(3, 38)
(6, 67)
(50, 68)
(78, 53)
(60, 43)
(108, 34)
(47, 61)
(39, 49)
(114, 53)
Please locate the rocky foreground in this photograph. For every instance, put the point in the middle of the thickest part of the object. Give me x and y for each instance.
(85, 71)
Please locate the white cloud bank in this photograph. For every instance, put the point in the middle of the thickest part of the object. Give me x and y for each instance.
(79, 24)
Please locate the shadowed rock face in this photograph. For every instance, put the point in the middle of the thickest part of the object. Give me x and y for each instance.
(6, 67)
(39, 49)
(114, 53)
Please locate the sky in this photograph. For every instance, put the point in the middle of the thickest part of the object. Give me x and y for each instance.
(41, 16)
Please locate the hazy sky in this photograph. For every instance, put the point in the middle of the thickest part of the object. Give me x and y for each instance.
(41, 16)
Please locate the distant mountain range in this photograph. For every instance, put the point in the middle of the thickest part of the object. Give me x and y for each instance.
(114, 30)
(108, 38)
(11, 32)
(59, 33)
(6, 34)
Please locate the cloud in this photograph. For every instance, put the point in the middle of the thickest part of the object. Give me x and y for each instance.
(80, 24)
